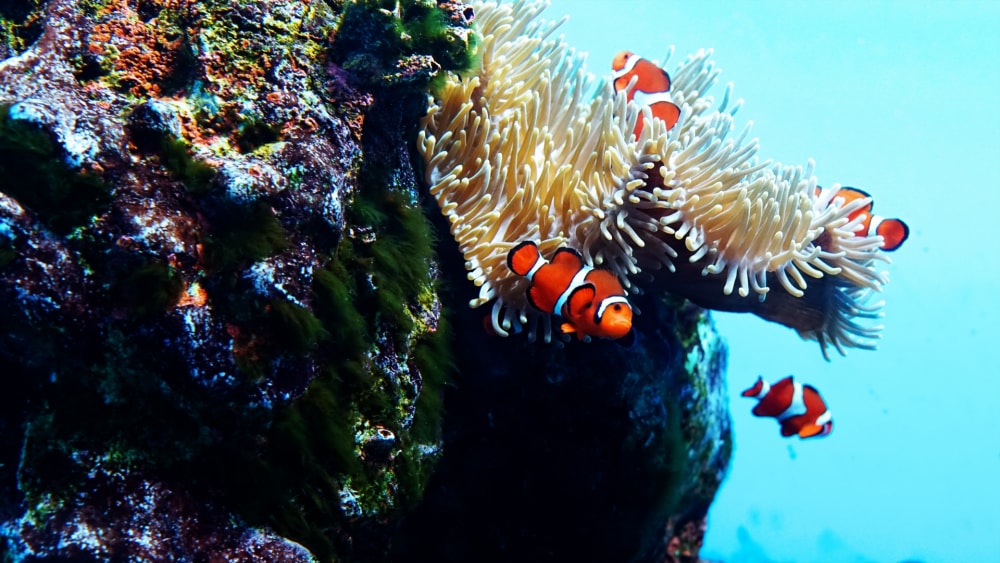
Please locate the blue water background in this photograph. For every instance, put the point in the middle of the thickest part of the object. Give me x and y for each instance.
(899, 98)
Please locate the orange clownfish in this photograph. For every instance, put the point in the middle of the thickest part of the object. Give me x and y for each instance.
(590, 301)
(651, 89)
(893, 231)
(798, 408)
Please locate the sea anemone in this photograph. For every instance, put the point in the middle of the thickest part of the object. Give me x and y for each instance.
(533, 147)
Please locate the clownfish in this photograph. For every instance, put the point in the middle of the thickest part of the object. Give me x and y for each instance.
(894, 232)
(651, 89)
(590, 301)
(798, 408)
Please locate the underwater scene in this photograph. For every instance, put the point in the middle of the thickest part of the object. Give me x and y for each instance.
(514, 281)
(851, 85)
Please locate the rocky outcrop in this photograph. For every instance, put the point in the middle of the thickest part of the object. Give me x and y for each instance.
(228, 317)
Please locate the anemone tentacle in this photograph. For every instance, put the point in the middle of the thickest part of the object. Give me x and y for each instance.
(533, 147)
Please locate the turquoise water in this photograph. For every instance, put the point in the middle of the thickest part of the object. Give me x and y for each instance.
(901, 99)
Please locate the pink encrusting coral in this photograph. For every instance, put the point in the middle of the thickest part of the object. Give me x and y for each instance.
(532, 147)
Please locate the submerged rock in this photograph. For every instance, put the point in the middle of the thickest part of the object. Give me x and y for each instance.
(193, 331)
(222, 311)
(588, 451)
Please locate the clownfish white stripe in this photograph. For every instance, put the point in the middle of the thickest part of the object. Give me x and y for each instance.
(650, 98)
(576, 282)
(873, 226)
(822, 419)
(797, 406)
(608, 302)
(535, 267)
(765, 388)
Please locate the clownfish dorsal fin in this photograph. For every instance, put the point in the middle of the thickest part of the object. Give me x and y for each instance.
(852, 194)
(581, 299)
(567, 257)
(857, 192)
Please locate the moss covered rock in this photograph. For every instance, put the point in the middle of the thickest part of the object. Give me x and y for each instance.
(217, 285)
(228, 313)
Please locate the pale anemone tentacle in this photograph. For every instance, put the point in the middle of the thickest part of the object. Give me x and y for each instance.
(533, 147)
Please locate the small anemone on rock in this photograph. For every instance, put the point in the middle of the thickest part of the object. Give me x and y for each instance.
(534, 147)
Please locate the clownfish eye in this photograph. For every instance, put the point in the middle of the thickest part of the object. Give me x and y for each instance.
(618, 306)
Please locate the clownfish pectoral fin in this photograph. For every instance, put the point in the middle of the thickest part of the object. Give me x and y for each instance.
(536, 296)
(523, 258)
(894, 232)
(580, 300)
(567, 328)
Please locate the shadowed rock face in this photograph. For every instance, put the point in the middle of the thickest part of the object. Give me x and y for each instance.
(222, 336)
(586, 451)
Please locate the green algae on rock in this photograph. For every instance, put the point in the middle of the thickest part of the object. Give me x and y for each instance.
(36, 173)
(20, 25)
(245, 319)
(248, 340)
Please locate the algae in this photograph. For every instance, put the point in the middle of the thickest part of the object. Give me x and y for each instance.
(147, 288)
(20, 24)
(312, 454)
(7, 251)
(36, 175)
(254, 133)
(176, 156)
(239, 234)
(406, 42)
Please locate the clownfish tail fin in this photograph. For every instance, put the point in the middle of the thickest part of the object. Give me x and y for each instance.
(523, 258)
(894, 233)
(758, 390)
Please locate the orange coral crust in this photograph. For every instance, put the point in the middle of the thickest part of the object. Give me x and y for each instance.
(142, 56)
